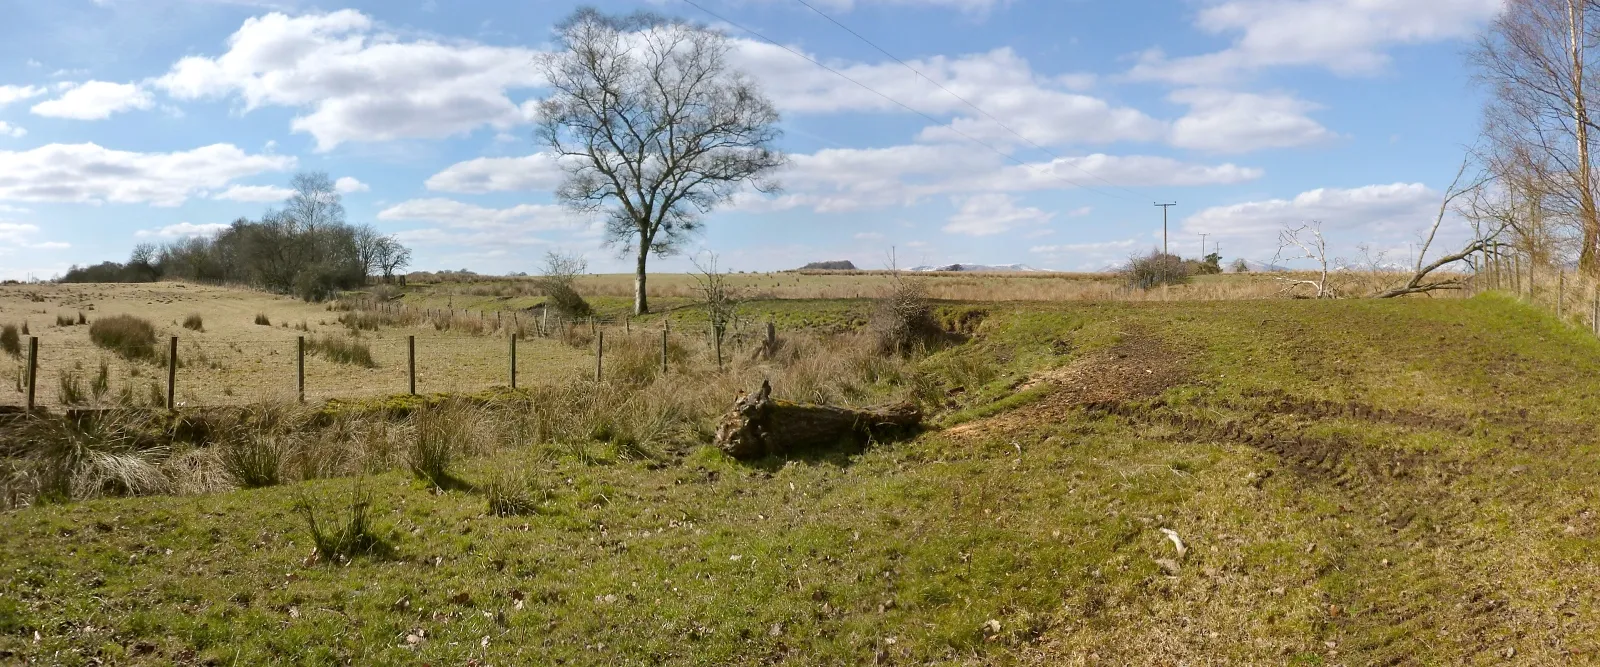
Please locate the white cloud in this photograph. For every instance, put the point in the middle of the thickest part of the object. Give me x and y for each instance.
(9, 94)
(990, 214)
(1039, 107)
(16, 235)
(359, 83)
(451, 213)
(868, 236)
(1348, 37)
(349, 184)
(9, 130)
(1374, 207)
(254, 193)
(845, 179)
(1080, 212)
(181, 230)
(95, 100)
(539, 171)
(976, 6)
(1228, 122)
(88, 173)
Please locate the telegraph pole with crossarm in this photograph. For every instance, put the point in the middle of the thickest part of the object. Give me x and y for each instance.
(1164, 208)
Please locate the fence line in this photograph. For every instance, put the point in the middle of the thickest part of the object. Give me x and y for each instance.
(177, 358)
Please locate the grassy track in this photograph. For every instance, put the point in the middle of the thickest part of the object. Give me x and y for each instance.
(1354, 482)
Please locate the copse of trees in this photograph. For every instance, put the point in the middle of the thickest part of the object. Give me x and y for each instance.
(305, 249)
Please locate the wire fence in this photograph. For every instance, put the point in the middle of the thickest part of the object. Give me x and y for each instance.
(438, 352)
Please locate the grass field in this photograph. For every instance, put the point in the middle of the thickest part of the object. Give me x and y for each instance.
(1352, 482)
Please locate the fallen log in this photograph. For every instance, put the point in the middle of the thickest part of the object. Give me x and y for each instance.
(760, 426)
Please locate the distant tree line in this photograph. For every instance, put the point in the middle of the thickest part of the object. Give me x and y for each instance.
(305, 249)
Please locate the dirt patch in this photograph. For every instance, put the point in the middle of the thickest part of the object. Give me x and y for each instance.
(1139, 367)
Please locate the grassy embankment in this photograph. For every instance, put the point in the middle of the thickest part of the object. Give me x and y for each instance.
(1353, 482)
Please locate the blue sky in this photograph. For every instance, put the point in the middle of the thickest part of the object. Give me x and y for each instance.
(125, 121)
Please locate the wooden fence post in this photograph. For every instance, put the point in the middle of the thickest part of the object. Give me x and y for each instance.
(513, 360)
(1561, 292)
(300, 366)
(172, 372)
(599, 352)
(663, 351)
(411, 364)
(33, 369)
(772, 338)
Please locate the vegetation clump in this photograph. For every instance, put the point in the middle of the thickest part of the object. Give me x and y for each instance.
(343, 351)
(194, 322)
(558, 282)
(132, 338)
(10, 342)
(1154, 270)
(903, 321)
(263, 320)
(345, 537)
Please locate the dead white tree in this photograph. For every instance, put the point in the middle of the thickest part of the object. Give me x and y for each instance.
(1304, 242)
(1421, 280)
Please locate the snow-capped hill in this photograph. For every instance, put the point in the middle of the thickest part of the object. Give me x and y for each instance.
(981, 268)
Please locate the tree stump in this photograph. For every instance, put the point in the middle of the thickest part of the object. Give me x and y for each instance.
(759, 426)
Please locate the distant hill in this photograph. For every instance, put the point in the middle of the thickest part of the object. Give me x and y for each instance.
(835, 265)
(985, 268)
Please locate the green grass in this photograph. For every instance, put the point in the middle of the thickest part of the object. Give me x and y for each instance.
(132, 338)
(1446, 528)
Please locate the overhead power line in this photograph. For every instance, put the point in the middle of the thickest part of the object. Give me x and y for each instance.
(963, 100)
(900, 104)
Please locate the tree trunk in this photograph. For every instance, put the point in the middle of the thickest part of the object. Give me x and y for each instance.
(1588, 215)
(641, 303)
(759, 426)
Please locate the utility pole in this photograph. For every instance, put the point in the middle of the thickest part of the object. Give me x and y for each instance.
(1203, 236)
(1164, 208)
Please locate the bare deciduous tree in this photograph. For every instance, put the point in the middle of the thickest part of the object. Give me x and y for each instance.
(1536, 58)
(391, 257)
(652, 126)
(1420, 281)
(720, 299)
(1305, 242)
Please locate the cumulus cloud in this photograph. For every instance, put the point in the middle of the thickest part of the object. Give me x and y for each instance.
(356, 82)
(1348, 37)
(9, 94)
(89, 173)
(9, 130)
(1229, 122)
(990, 214)
(846, 179)
(95, 100)
(349, 184)
(539, 171)
(254, 193)
(1042, 108)
(181, 230)
(1386, 215)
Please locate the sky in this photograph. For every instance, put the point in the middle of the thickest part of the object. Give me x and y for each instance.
(1038, 132)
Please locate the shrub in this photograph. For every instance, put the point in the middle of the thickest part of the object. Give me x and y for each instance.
(101, 384)
(1240, 266)
(560, 274)
(261, 319)
(343, 351)
(10, 342)
(346, 538)
(1154, 270)
(130, 337)
(903, 321)
(194, 322)
(82, 319)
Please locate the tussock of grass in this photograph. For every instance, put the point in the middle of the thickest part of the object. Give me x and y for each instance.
(342, 350)
(132, 338)
(69, 387)
(263, 320)
(110, 453)
(65, 320)
(10, 342)
(348, 535)
(194, 322)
